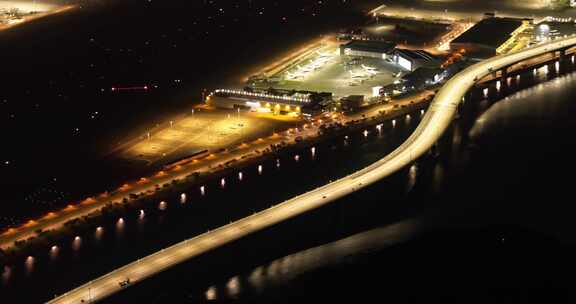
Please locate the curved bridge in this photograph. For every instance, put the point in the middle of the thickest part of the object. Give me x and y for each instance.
(433, 124)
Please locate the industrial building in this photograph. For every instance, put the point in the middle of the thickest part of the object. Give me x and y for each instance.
(407, 59)
(352, 102)
(372, 49)
(411, 60)
(491, 36)
(278, 102)
(423, 77)
(548, 30)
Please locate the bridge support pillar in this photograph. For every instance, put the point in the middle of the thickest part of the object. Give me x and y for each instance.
(504, 76)
(566, 60)
(502, 82)
(562, 56)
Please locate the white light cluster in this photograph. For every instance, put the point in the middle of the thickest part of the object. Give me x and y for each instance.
(557, 19)
(262, 95)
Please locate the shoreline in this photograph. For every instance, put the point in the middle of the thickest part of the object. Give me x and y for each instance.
(233, 157)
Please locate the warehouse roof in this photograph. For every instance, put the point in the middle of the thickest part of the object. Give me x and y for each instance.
(491, 32)
(416, 54)
(371, 46)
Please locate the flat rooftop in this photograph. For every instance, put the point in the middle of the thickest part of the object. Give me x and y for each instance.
(491, 32)
(417, 54)
(371, 46)
(293, 99)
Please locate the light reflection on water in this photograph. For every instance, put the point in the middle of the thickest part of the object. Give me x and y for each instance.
(256, 279)
(77, 243)
(412, 177)
(120, 228)
(437, 178)
(456, 139)
(539, 104)
(233, 287)
(211, 294)
(29, 264)
(54, 252)
(99, 233)
(6, 274)
(141, 221)
(285, 269)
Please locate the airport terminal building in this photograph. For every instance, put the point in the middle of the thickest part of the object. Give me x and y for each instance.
(280, 102)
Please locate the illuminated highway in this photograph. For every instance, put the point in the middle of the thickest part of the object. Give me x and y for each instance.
(431, 128)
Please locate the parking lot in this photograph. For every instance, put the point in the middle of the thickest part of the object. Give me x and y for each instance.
(206, 129)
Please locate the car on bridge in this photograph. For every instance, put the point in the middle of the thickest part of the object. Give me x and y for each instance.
(124, 283)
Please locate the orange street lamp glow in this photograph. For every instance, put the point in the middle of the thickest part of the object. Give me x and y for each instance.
(88, 201)
(10, 231)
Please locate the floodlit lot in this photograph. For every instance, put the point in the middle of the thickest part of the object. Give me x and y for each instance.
(16, 12)
(27, 6)
(203, 130)
(343, 76)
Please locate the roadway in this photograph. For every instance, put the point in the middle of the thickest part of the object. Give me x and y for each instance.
(437, 119)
